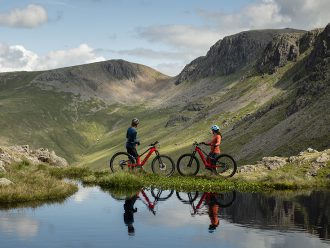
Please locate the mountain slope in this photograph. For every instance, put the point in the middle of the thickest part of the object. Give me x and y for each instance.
(267, 89)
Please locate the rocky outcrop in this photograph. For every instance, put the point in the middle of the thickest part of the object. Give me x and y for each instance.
(279, 51)
(16, 154)
(314, 85)
(316, 160)
(195, 106)
(230, 54)
(176, 119)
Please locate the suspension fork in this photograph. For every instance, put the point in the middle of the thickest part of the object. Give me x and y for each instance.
(159, 159)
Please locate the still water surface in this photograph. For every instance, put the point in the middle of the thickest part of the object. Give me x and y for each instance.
(96, 218)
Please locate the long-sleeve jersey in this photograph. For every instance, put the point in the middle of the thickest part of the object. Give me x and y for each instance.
(132, 140)
(215, 144)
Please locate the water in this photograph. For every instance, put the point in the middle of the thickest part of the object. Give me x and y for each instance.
(96, 218)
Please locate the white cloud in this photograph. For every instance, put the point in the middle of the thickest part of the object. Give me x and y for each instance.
(180, 36)
(302, 14)
(18, 58)
(28, 17)
(261, 14)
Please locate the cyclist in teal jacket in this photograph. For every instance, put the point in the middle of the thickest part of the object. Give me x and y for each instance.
(131, 137)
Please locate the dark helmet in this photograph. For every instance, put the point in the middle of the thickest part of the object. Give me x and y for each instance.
(135, 121)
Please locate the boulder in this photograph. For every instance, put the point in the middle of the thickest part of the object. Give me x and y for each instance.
(323, 158)
(311, 150)
(5, 182)
(2, 166)
(273, 163)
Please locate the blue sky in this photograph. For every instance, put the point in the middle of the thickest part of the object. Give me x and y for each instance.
(163, 34)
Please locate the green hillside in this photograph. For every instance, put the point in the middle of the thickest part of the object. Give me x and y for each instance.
(268, 105)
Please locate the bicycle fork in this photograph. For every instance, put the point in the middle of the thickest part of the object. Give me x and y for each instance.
(162, 166)
(191, 158)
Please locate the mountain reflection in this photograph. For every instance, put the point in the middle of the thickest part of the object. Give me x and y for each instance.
(283, 211)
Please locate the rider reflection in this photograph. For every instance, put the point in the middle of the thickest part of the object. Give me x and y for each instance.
(129, 214)
(213, 209)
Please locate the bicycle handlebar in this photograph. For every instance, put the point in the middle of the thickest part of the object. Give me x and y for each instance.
(155, 143)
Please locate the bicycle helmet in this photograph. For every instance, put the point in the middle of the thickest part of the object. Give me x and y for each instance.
(135, 121)
(215, 128)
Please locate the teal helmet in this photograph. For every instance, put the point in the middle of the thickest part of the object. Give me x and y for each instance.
(215, 128)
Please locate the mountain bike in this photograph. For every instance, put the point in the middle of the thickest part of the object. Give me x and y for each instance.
(161, 164)
(223, 164)
(159, 195)
(223, 199)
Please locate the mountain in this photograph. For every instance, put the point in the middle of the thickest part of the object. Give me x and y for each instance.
(267, 89)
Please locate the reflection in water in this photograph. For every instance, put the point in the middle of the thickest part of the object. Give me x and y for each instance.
(283, 211)
(129, 211)
(166, 219)
(209, 203)
(23, 226)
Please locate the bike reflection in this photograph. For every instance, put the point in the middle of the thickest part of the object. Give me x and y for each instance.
(208, 203)
(149, 199)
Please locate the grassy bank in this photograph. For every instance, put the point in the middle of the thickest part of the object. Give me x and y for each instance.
(44, 183)
(33, 184)
(289, 177)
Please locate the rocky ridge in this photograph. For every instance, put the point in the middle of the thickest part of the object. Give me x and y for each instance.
(231, 54)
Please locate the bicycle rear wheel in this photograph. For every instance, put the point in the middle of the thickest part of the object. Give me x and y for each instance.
(187, 197)
(188, 165)
(121, 161)
(225, 165)
(163, 165)
(226, 199)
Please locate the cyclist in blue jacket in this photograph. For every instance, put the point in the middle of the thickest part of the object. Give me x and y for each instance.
(132, 140)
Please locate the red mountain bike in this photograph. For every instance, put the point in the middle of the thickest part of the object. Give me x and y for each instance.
(223, 199)
(161, 164)
(223, 164)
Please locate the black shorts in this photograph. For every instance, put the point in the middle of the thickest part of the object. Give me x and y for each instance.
(132, 151)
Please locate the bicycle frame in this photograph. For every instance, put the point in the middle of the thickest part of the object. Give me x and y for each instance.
(150, 151)
(201, 154)
(205, 197)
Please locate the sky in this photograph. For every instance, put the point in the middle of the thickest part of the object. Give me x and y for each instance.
(163, 34)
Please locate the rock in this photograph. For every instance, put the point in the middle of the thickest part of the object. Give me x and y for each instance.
(231, 54)
(283, 48)
(5, 182)
(195, 107)
(293, 159)
(2, 166)
(323, 158)
(311, 150)
(249, 168)
(57, 161)
(273, 163)
(174, 120)
(12, 154)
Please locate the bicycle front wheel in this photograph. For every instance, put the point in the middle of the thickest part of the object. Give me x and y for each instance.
(225, 165)
(121, 161)
(161, 195)
(188, 165)
(163, 165)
